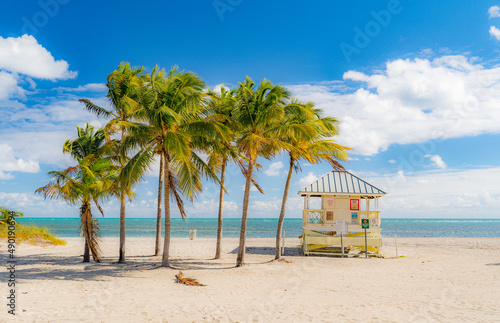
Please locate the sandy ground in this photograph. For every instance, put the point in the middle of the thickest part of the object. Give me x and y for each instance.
(438, 280)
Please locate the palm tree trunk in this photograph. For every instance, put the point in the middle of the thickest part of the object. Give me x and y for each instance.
(243, 232)
(166, 191)
(86, 252)
(282, 213)
(158, 214)
(89, 233)
(221, 200)
(121, 259)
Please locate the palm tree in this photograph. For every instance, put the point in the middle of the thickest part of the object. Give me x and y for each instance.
(308, 138)
(6, 215)
(89, 181)
(124, 89)
(220, 107)
(176, 132)
(259, 112)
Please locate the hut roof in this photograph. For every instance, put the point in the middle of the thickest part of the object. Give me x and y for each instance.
(338, 182)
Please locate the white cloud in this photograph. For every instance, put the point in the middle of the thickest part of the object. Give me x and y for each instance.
(218, 87)
(435, 194)
(437, 160)
(392, 161)
(308, 179)
(9, 87)
(209, 208)
(272, 205)
(5, 176)
(494, 11)
(495, 32)
(274, 169)
(18, 200)
(24, 55)
(91, 87)
(412, 101)
(9, 163)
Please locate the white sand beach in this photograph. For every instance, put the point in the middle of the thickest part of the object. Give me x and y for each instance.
(438, 280)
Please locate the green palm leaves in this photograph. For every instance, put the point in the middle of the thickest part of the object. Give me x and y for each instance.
(125, 88)
(175, 129)
(194, 133)
(90, 181)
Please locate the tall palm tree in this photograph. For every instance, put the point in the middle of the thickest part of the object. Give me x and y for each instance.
(176, 131)
(89, 181)
(220, 107)
(308, 137)
(124, 89)
(259, 113)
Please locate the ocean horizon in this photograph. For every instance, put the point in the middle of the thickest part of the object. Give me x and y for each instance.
(266, 227)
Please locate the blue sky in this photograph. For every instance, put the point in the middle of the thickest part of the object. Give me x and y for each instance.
(416, 85)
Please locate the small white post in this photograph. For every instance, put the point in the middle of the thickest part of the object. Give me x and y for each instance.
(396, 242)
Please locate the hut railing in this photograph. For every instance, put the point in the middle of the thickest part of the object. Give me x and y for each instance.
(313, 217)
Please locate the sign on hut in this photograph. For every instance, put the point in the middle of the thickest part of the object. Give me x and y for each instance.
(347, 199)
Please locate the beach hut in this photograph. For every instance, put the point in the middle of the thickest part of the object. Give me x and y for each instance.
(343, 200)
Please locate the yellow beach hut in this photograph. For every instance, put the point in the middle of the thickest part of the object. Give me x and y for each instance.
(343, 200)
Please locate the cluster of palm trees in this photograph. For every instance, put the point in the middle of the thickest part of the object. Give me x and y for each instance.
(194, 132)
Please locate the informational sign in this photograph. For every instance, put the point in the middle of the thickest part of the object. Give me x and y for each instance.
(341, 227)
(354, 218)
(354, 204)
(329, 202)
(365, 224)
(374, 222)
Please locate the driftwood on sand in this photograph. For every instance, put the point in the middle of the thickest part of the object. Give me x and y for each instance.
(180, 279)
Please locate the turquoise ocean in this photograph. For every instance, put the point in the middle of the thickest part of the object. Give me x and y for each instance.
(266, 228)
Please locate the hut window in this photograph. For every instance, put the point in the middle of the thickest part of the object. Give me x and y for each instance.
(329, 215)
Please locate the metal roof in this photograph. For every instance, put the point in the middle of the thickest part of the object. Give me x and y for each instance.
(337, 182)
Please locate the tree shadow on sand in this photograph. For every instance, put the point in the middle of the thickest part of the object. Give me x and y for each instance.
(53, 267)
(289, 251)
(49, 266)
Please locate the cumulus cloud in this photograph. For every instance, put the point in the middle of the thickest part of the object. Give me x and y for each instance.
(9, 163)
(24, 55)
(9, 87)
(209, 208)
(274, 169)
(218, 87)
(494, 11)
(307, 180)
(272, 205)
(91, 87)
(495, 32)
(437, 160)
(443, 193)
(5, 176)
(412, 101)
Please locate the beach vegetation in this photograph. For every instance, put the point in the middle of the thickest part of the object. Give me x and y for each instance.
(88, 182)
(175, 129)
(220, 106)
(309, 137)
(259, 112)
(124, 91)
(193, 133)
(25, 233)
(32, 234)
